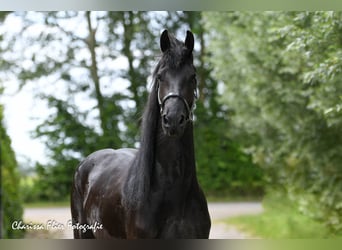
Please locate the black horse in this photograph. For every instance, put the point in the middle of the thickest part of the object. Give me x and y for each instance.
(151, 192)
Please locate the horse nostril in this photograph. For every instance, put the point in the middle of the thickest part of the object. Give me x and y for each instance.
(182, 120)
(165, 119)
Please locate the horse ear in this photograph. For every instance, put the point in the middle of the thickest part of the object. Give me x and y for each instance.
(189, 41)
(164, 41)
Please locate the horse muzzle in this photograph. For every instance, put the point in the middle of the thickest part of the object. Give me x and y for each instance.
(173, 124)
(174, 117)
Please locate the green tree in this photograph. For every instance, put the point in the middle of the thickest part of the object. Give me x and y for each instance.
(282, 72)
(91, 69)
(11, 201)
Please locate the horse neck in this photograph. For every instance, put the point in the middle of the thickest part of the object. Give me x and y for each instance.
(157, 155)
(174, 160)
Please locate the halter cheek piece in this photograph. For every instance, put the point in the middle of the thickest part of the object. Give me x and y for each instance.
(189, 109)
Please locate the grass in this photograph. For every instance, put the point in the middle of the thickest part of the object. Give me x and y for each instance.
(280, 220)
(228, 197)
(231, 199)
(47, 204)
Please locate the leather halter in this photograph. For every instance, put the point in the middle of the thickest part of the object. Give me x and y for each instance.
(189, 109)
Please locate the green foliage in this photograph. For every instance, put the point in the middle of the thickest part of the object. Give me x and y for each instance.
(281, 220)
(223, 168)
(28, 189)
(282, 73)
(10, 195)
(65, 137)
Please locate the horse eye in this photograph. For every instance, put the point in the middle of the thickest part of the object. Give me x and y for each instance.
(193, 80)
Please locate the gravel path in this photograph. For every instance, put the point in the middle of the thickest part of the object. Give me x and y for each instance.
(220, 211)
(53, 219)
(57, 220)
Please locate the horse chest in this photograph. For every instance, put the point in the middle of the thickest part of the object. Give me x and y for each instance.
(169, 174)
(182, 223)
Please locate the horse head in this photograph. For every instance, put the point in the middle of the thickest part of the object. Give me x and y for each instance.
(176, 83)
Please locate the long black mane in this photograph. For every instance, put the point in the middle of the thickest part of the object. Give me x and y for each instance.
(138, 185)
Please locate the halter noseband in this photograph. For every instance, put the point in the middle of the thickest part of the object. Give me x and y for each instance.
(189, 109)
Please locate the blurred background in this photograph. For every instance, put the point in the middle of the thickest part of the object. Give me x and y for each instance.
(268, 122)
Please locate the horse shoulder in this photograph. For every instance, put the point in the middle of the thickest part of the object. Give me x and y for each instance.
(108, 171)
(103, 175)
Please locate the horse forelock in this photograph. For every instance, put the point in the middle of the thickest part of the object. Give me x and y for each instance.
(175, 57)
